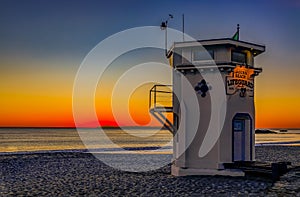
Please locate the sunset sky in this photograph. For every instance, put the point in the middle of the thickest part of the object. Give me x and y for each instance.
(43, 43)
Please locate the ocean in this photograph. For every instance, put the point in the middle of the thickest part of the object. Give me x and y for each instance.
(20, 140)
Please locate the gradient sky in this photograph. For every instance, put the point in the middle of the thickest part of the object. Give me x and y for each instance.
(44, 42)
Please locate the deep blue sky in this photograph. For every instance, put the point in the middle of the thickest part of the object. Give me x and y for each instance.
(71, 28)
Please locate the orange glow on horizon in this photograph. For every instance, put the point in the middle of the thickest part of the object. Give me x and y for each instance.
(45, 100)
(277, 113)
(44, 110)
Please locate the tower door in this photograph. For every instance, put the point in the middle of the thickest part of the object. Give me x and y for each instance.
(242, 139)
(238, 139)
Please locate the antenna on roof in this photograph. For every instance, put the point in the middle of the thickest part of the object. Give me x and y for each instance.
(183, 27)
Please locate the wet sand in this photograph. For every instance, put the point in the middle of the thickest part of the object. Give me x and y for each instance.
(76, 173)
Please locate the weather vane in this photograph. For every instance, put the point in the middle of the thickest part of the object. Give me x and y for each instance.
(164, 26)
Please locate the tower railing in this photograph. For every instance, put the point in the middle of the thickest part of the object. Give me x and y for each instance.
(160, 103)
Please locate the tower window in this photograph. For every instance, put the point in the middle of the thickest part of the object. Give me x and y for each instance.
(203, 55)
(238, 57)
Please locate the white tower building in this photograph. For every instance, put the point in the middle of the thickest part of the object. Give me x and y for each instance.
(233, 60)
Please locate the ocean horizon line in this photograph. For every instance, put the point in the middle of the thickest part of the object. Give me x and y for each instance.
(114, 127)
(104, 127)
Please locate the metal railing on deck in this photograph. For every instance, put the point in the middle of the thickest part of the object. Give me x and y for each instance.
(160, 97)
(160, 102)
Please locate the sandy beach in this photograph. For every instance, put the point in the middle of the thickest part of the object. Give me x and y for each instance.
(76, 173)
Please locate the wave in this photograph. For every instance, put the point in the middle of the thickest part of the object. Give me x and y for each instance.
(292, 143)
(94, 150)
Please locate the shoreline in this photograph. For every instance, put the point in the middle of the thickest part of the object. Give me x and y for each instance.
(135, 150)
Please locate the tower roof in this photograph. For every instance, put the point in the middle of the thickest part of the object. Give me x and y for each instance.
(256, 48)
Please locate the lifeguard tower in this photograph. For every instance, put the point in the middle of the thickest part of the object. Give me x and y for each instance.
(233, 60)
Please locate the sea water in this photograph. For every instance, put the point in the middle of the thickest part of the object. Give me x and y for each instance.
(138, 140)
(289, 138)
(72, 139)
